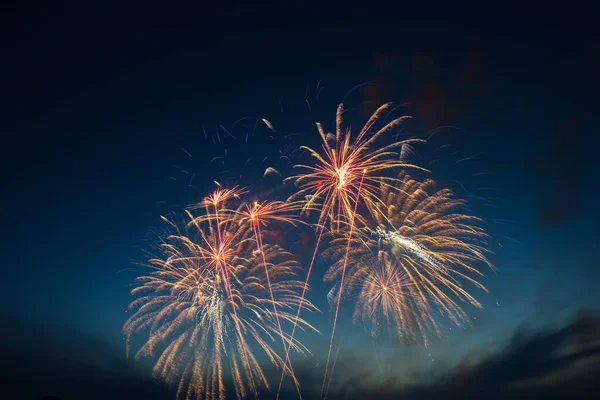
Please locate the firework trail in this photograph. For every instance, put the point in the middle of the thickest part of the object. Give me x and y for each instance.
(206, 306)
(413, 261)
(261, 214)
(349, 173)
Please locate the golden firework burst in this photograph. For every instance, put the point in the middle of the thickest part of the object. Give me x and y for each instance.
(414, 260)
(211, 301)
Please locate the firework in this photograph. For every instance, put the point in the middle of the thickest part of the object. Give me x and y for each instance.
(218, 297)
(208, 305)
(347, 174)
(414, 261)
(269, 211)
(334, 181)
(261, 214)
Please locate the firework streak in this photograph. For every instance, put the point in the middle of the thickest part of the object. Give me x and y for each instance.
(219, 297)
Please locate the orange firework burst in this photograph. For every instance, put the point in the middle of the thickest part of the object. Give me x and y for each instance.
(220, 242)
(209, 303)
(349, 173)
(219, 295)
(334, 181)
(412, 263)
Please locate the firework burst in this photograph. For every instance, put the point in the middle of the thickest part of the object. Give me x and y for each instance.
(349, 172)
(211, 301)
(218, 298)
(414, 261)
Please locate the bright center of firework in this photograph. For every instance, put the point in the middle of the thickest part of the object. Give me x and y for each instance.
(341, 174)
(385, 288)
(409, 245)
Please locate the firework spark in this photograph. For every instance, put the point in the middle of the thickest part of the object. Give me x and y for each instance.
(218, 297)
(349, 173)
(259, 215)
(333, 181)
(208, 305)
(412, 263)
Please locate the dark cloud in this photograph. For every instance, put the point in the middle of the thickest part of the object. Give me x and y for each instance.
(46, 361)
(441, 93)
(544, 364)
(446, 96)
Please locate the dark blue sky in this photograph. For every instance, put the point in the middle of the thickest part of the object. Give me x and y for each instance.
(98, 103)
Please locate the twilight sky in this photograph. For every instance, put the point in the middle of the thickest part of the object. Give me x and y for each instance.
(110, 116)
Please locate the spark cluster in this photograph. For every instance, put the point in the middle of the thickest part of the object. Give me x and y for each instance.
(216, 295)
(219, 297)
(348, 173)
(411, 263)
(350, 169)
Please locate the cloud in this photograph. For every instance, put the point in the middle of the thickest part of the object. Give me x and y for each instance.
(44, 361)
(546, 364)
(439, 97)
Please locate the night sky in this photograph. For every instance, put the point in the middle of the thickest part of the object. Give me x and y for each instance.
(110, 118)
